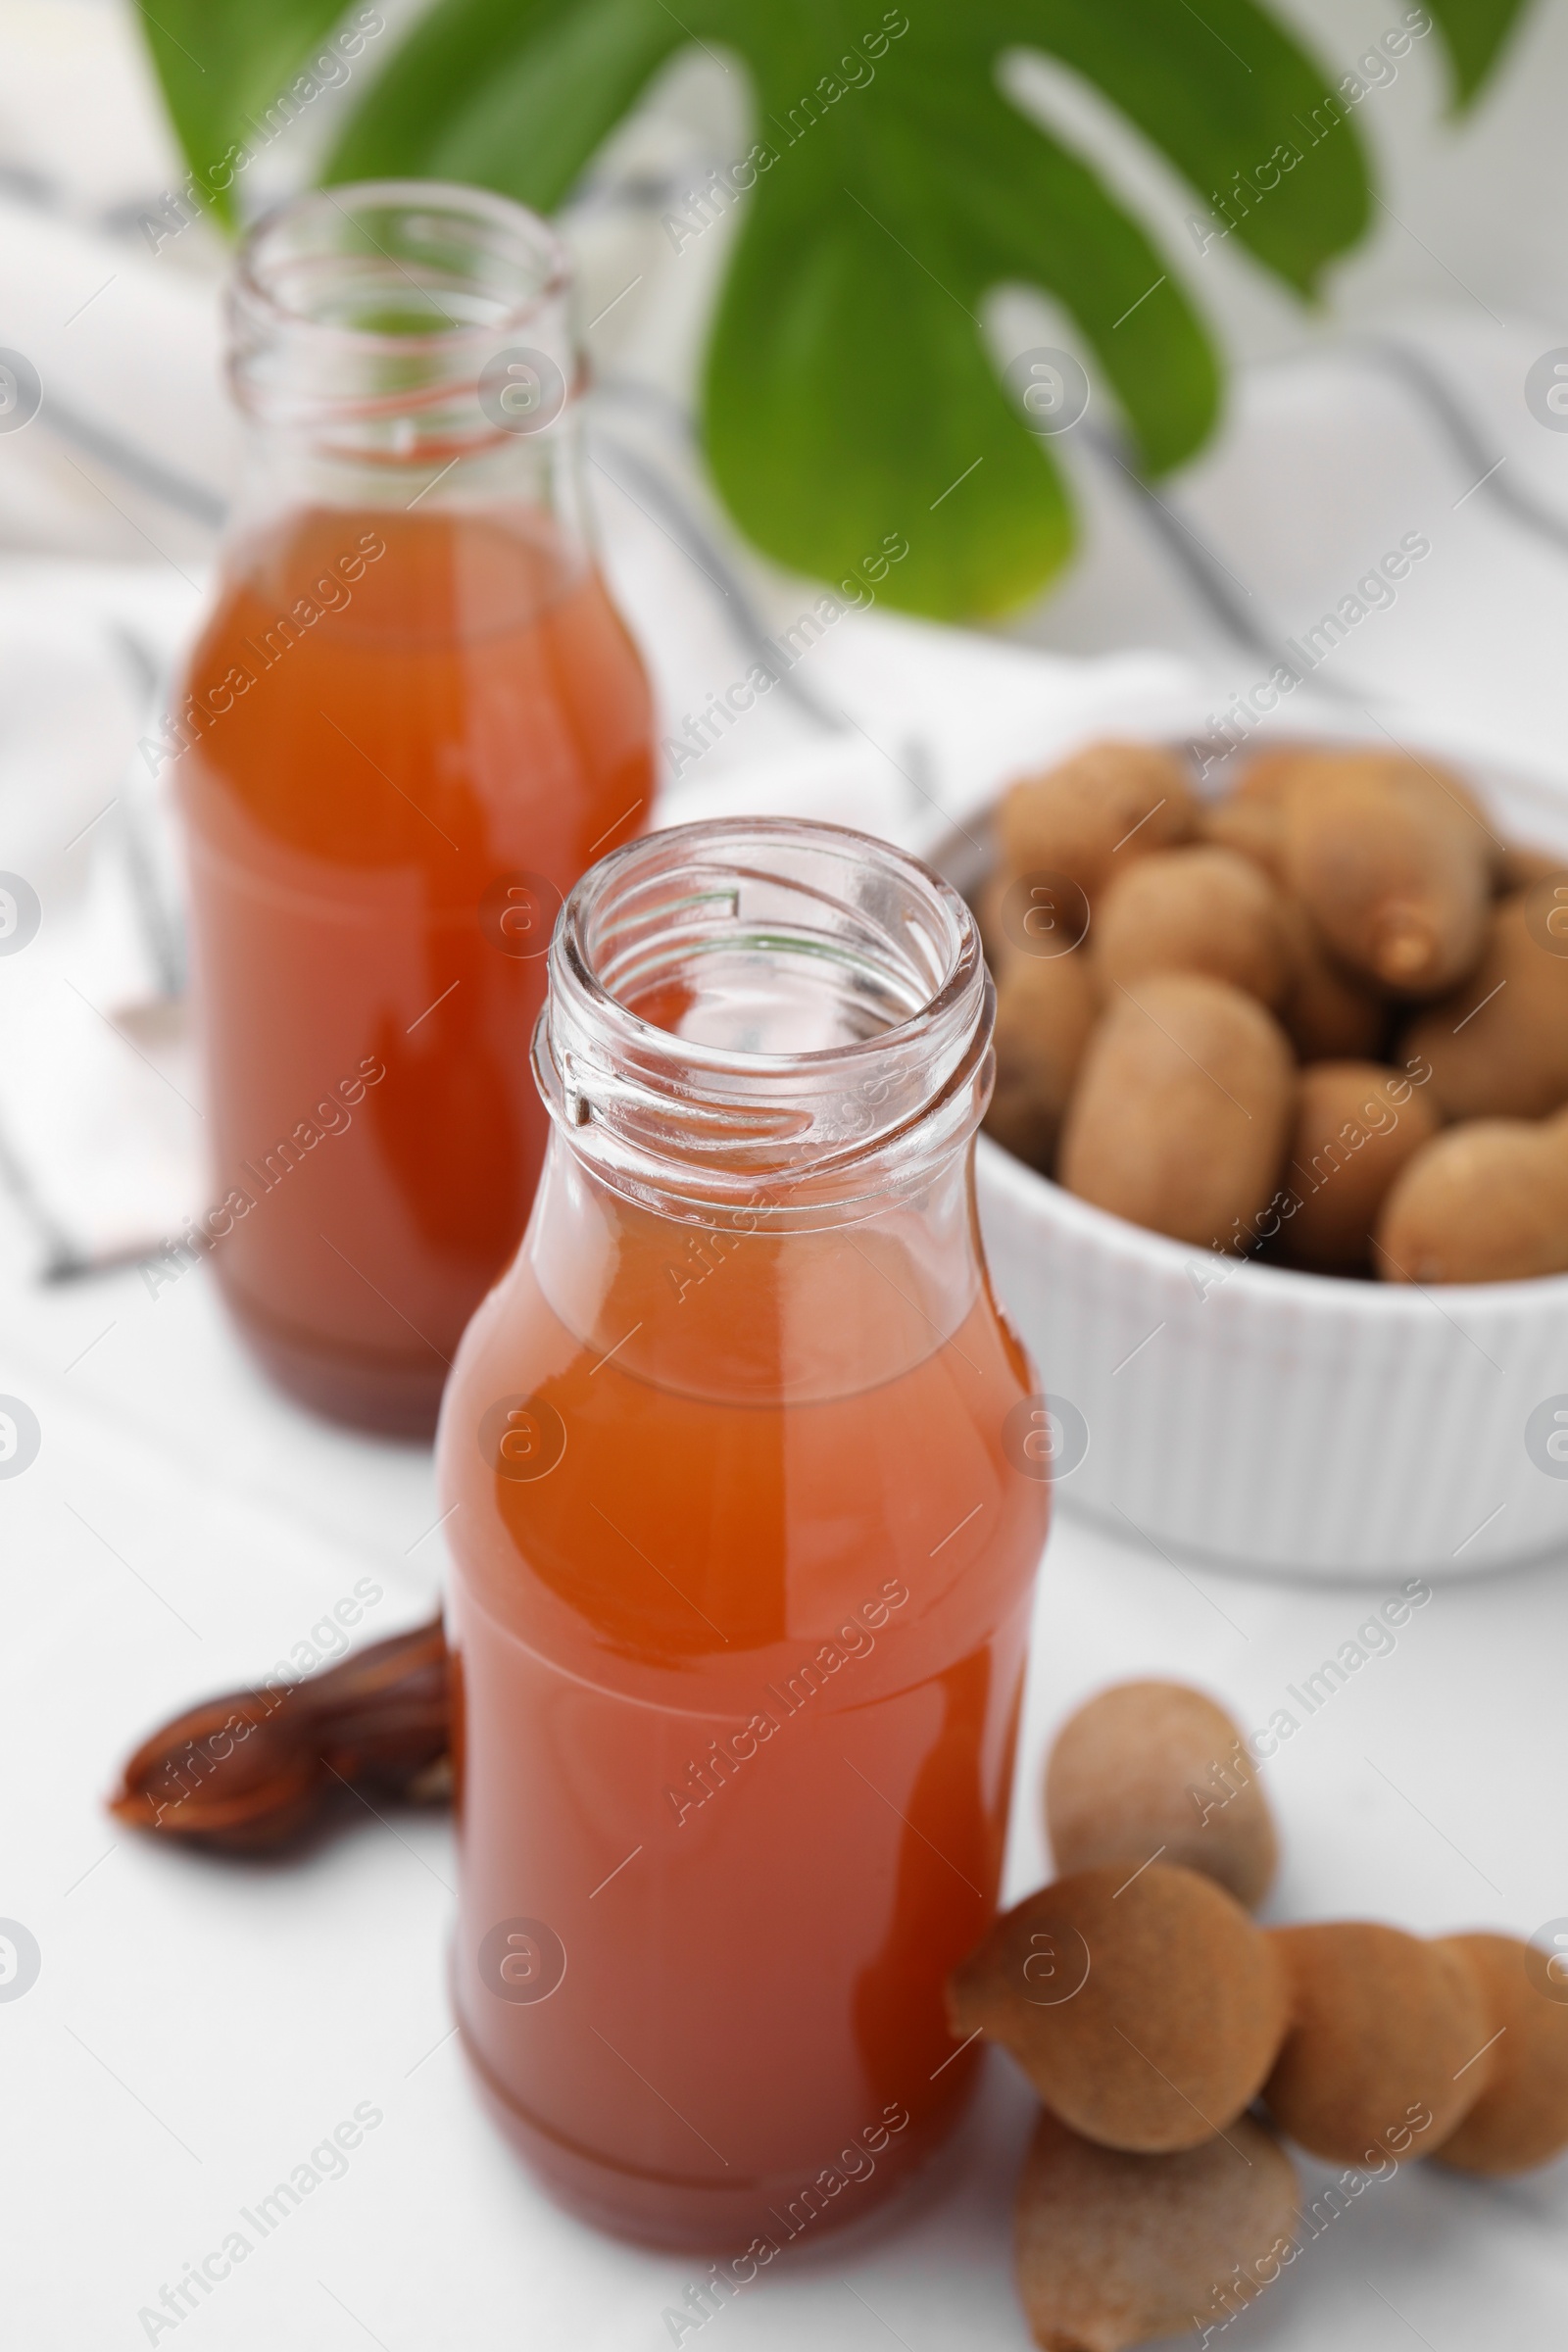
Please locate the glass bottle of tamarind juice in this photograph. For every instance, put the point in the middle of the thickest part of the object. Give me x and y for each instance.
(741, 1462)
(413, 720)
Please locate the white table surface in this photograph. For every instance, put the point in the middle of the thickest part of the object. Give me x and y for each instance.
(197, 2027)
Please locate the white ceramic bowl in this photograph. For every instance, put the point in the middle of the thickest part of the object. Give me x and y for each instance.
(1269, 1418)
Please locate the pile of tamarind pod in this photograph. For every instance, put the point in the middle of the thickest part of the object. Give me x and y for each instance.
(1174, 2043)
(1325, 1018)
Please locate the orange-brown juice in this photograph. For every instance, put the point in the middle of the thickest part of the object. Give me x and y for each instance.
(412, 731)
(740, 1658)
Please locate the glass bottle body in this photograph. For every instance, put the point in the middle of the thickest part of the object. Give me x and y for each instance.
(413, 717)
(743, 1571)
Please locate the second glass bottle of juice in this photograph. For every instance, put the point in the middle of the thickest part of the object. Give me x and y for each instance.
(745, 1514)
(413, 720)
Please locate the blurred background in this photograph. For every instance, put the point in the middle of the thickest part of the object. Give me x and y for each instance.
(1322, 447)
(1464, 242)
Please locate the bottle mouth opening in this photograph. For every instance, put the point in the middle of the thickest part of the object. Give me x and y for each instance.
(405, 261)
(398, 297)
(757, 1008)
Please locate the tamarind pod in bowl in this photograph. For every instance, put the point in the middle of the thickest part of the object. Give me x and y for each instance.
(1249, 825)
(1179, 1118)
(1394, 869)
(1197, 908)
(1499, 1042)
(1046, 1010)
(1112, 801)
(1357, 1126)
(1483, 1201)
(1329, 1012)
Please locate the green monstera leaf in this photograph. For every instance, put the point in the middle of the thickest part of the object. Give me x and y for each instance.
(850, 397)
(225, 65)
(1474, 32)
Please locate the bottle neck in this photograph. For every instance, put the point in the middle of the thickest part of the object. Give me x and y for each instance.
(730, 1308)
(766, 1050)
(406, 348)
(791, 1022)
(536, 489)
